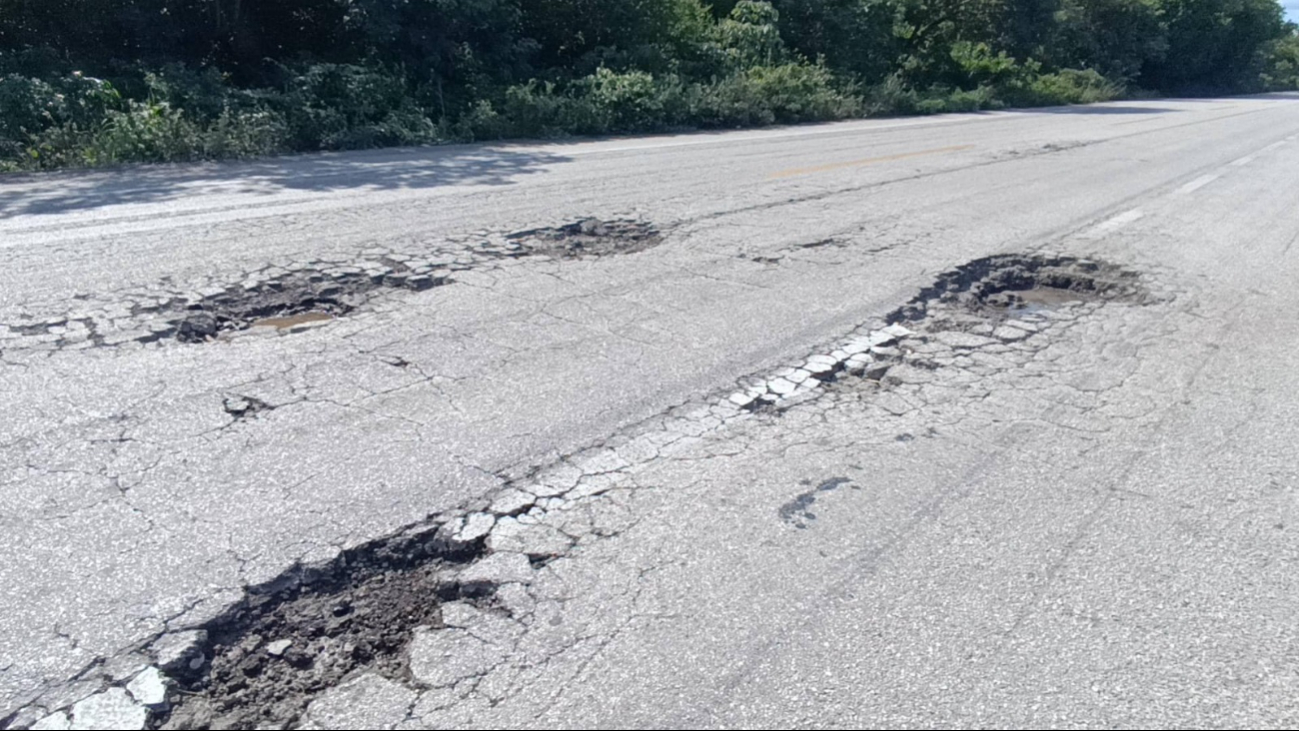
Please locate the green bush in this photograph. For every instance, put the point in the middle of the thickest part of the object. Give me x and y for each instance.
(244, 134)
(146, 131)
(344, 106)
(534, 109)
(1067, 86)
(32, 105)
(631, 101)
(192, 82)
(792, 92)
(1280, 64)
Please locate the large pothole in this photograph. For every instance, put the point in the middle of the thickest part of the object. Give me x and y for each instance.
(988, 305)
(265, 659)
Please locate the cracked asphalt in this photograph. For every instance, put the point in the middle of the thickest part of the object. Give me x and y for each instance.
(804, 447)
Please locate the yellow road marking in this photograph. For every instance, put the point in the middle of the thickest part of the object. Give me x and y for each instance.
(863, 163)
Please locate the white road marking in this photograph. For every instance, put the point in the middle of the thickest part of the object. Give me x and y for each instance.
(1196, 184)
(1115, 223)
(1243, 161)
(715, 140)
(1273, 146)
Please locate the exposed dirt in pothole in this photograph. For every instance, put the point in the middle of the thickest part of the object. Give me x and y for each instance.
(268, 656)
(590, 237)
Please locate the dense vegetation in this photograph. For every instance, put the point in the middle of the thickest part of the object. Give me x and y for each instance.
(91, 82)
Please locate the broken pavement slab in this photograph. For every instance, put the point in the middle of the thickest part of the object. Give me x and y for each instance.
(150, 688)
(111, 709)
(442, 658)
(367, 701)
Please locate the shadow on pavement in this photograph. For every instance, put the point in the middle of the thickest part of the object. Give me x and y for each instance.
(394, 169)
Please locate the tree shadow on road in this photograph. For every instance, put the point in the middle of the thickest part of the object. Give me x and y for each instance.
(392, 169)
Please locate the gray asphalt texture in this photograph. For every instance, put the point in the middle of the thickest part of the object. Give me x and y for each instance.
(1096, 529)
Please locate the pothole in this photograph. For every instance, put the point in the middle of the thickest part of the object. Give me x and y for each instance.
(295, 300)
(270, 655)
(989, 306)
(293, 295)
(245, 407)
(590, 237)
(1010, 285)
(798, 512)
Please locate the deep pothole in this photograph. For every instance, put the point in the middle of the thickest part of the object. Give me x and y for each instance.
(590, 237)
(264, 660)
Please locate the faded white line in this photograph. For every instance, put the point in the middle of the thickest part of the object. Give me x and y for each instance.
(1243, 161)
(1196, 184)
(1273, 146)
(790, 134)
(1115, 223)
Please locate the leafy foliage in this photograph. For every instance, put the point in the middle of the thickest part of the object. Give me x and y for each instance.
(95, 82)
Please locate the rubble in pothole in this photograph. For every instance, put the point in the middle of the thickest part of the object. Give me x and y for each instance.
(590, 237)
(1008, 285)
(266, 658)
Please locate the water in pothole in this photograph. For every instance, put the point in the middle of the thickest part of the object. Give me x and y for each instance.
(1028, 303)
(293, 321)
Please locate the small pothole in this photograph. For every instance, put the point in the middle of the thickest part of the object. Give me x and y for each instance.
(590, 237)
(292, 301)
(1012, 285)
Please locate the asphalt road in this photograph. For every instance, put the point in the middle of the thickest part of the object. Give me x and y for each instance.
(1092, 524)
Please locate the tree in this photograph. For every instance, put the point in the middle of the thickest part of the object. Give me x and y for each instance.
(1213, 45)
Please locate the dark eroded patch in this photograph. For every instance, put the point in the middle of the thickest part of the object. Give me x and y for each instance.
(283, 644)
(294, 300)
(590, 237)
(1000, 286)
(798, 512)
(245, 407)
(989, 303)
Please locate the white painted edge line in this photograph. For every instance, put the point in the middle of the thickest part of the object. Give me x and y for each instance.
(1273, 146)
(1243, 161)
(1196, 184)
